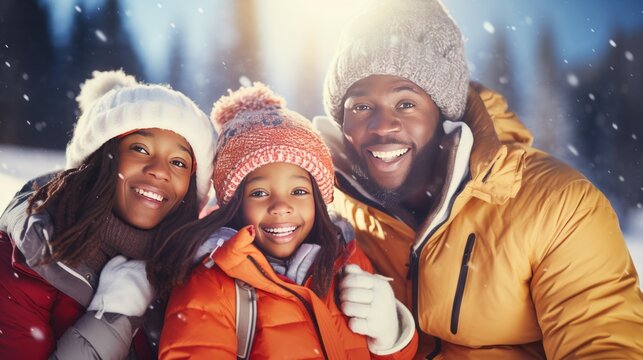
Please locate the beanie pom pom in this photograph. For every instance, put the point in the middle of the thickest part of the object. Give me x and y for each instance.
(254, 98)
(100, 84)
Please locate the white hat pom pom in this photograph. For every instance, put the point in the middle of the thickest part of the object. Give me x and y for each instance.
(100, 84)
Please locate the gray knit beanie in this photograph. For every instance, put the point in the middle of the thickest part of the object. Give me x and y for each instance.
(413, 39)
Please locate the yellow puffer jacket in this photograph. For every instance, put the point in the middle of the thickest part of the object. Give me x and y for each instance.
(529, 263)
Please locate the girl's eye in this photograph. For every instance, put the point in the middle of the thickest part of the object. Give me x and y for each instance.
(179, 163)
(361, 107)
(258, 193)
(300, 192)
(139, 149)
(406, 105)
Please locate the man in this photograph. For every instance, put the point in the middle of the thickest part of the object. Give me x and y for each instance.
(501, 250)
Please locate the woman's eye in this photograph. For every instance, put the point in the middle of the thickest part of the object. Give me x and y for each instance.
(139, 149)
(179, 163)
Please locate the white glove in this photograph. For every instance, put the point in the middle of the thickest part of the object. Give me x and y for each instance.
(123, 288)
(368, 299)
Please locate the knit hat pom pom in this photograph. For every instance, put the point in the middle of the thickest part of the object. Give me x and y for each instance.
(100, 84)
(254, 98)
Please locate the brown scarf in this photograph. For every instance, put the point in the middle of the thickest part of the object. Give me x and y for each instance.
(117, 237)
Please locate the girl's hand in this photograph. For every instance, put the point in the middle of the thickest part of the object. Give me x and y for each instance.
(368, 299)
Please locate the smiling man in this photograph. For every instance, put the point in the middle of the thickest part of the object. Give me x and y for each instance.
(501, 250)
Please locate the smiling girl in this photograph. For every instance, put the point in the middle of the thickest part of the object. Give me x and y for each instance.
(316, 297)
(138, 167)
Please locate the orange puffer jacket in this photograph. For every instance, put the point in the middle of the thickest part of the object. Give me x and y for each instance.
(292, 322)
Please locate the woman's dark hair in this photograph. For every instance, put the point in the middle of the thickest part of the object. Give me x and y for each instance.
(172, 263)
(80, 201)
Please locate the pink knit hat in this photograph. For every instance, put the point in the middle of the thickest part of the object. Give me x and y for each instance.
(256, 129)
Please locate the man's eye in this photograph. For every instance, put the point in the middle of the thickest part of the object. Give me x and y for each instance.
(406, 105)
(361, 107)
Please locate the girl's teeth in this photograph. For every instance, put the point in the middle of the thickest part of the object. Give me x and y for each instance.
(149, 194)
(389, 155)
(280, 231)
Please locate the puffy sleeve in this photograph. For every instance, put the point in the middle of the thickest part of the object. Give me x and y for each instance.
(584, 286)
(200, 319)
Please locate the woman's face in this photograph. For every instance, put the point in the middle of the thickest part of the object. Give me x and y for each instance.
(278, 200)
(154, 170)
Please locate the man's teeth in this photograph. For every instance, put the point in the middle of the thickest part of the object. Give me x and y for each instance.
(280, 231)
(149, 194)
(389, 155)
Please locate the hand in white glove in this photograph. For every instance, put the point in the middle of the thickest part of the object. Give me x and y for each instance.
(368, 299)
(123, 288)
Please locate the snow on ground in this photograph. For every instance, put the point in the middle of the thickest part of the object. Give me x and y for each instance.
(18, 165)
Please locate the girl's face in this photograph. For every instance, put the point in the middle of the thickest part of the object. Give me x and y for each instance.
(278, 200)
(154, 171)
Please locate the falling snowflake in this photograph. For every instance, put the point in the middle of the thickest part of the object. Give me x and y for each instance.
(572, 149)
(25, 96)
(78, 9)
(159, 5)
(621, 178)
(37, 333)
(120, 176)
(591, 96)
(614, 126)
(629, 56)
(173, 25)
(182, 316)
(592, 30)
(7, 63)
(634, 136)
(244, 81)
(200, 10)
(101, 35)
(613, 43)
(572, 80)
(503, 80)
(488, 27)
(15, 274)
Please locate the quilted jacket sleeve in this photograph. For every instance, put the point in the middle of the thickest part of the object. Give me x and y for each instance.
(584, 286)
(200, 319)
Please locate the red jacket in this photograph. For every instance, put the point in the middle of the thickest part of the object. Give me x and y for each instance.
(292, 322)
(34, 314)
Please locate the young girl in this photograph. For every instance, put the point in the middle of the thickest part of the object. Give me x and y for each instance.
(273, 177)
(138, 167)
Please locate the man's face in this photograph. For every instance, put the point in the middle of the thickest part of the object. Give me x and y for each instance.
(389, 124)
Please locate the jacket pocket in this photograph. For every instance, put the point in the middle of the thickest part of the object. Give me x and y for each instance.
(462, 280)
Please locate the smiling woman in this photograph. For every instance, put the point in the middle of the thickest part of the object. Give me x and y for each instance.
(138, 168)
(154, 170)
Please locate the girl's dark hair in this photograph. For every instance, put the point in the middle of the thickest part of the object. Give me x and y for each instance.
(80, 201)
(172, 263)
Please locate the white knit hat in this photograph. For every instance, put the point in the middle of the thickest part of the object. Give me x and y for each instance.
(113, 103)
(416, 40)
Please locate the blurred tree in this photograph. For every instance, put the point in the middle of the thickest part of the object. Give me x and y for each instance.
(609, 108)
(26, 59)
(98, 42)
(499, 74)
(309, 77)
(551, 123)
